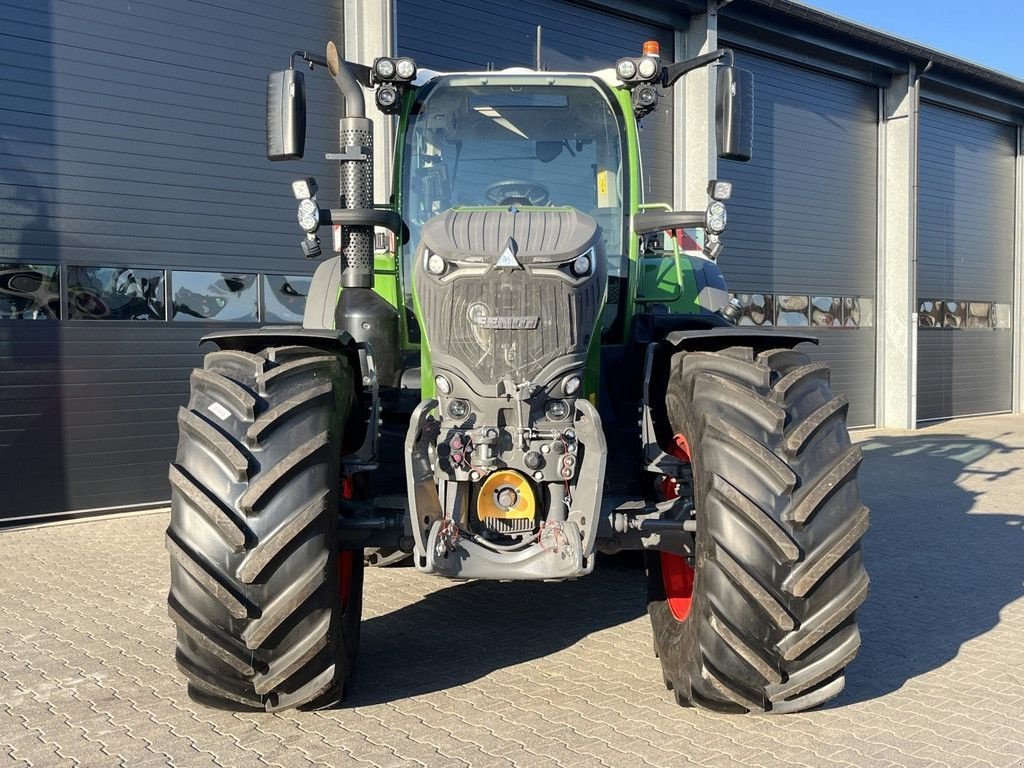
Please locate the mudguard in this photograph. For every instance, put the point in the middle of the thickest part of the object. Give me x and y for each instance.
(716, 334)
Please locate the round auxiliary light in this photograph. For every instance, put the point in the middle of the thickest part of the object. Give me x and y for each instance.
(571, 384)
(435, 264)
(648, 67)
(386, 96)
(625, 69)
(716, 218)
(384, 68)
(309, 215)
(405, 68)
(442, 385)
(645, 96)
(556, 410)
(581, 266)
(458, 409)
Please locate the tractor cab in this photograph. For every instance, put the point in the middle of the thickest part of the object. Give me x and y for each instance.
(518, 139)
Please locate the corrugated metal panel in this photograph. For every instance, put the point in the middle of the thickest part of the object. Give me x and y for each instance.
(965, 207)
(447, 35)
(965, 253)
(803, 217)
(131, 134)
(850, 354)
(963, 373)
(87, 413)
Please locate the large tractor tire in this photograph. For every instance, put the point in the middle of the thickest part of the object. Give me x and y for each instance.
(762, 617)
(267, 609)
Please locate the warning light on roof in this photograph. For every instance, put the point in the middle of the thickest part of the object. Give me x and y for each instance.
(651, 48)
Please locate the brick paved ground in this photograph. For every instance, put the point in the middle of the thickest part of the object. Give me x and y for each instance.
(519, 674)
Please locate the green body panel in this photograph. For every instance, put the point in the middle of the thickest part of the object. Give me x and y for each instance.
(663, 278)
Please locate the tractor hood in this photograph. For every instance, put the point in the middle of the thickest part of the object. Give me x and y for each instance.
(509, 296)
(474, 236)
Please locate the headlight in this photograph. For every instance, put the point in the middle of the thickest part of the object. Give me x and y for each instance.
(435, 264)
(647, 68)
(571, 384)
(715, 219)
(645, 97)
(387, 97)
(303, 189)
(719, 190)
(556, 410)
(582, 265)
(625, 69)
(458, 409)
(442, 385)
(405, 69)
(309, 215)
(384, 68)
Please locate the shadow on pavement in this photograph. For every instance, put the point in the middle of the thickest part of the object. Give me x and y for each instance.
(942, 568)
(461, 633)
(942, 565)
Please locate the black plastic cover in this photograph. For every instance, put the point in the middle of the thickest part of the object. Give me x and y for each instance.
(734, 114)
(286, 115)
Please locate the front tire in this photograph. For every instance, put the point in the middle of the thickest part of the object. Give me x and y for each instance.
(266, 608)
(763, 619)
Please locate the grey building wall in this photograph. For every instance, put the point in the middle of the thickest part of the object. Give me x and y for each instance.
(965, 274)
(131, 137)
(802, 238)
(131, 153)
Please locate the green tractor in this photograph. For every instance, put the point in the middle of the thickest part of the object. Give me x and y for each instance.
(535, 372)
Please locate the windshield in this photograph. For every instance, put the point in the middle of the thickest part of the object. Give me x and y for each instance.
(530, 143)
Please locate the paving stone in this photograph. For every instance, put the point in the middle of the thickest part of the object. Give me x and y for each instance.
(499, 675)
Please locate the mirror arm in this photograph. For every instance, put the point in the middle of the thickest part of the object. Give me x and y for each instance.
(373, 217)
(361, 72)
(309, 58)
(648, 222)
(673, 72)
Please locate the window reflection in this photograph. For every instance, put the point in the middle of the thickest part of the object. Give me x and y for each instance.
(791, 310)
(950, 314)
(826, 311)
(284, 297)
(755, 309)
(115, 293)
(29, 292)
(221, 296)
(858, 312)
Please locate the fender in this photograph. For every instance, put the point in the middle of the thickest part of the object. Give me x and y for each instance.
(716, 334)
(339, 343)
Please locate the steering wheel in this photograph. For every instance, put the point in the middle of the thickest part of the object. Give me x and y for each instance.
(517, 192)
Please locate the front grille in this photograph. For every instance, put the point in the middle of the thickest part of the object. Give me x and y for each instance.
(508, 526)
(509, 323)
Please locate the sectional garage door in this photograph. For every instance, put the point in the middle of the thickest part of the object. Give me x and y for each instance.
(965, 264)
(802, 239)
(452, 36)
(137, 212)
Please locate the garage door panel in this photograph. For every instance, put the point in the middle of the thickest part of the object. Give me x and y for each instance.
(850, 354)
(965, 254)
(115, 118)
(962, 373)
(803, 216)
(815, 139)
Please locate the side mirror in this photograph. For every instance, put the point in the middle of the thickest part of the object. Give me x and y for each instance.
(286, 115)
(734, 114)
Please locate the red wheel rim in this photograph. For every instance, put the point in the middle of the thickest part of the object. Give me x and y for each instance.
(676, 573)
